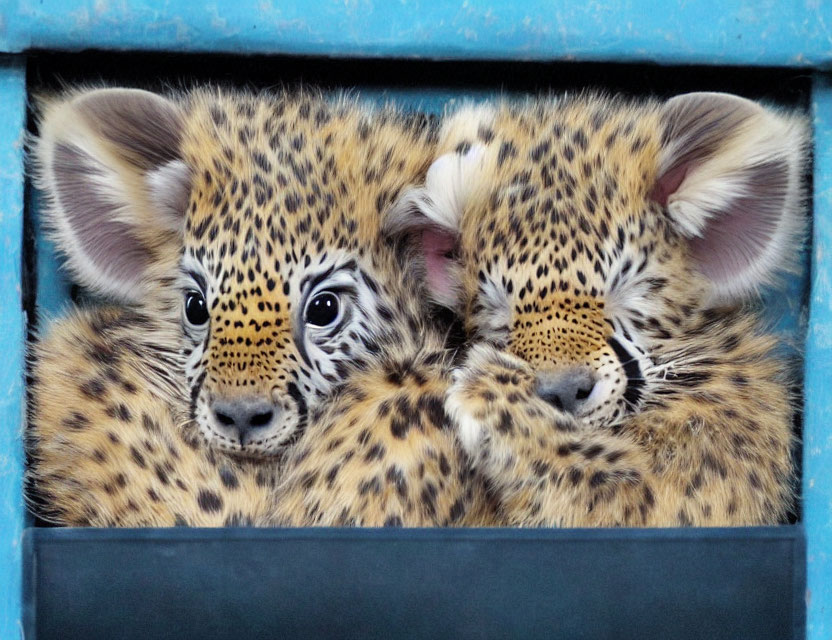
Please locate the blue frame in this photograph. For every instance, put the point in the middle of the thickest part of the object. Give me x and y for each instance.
(817, 429)
(786, 33)
(12, 336)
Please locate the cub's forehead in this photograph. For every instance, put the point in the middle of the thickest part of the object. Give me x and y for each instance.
(317, 171)
(573, 172)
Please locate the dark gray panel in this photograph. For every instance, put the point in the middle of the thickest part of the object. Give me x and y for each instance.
(318, 583)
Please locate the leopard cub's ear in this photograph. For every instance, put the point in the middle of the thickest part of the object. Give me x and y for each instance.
(731, 175)
(432, 214)
(108, 161)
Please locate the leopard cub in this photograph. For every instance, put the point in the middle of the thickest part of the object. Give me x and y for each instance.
(602, 253)
(264, 358)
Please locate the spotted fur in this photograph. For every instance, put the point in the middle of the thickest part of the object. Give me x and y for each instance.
(385, 453)
(109, 446)
(213, 218)
(602, 254)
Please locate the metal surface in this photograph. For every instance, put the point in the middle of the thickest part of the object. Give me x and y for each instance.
(12, 333)
(817, 435)
(787, 33)
(742, 571)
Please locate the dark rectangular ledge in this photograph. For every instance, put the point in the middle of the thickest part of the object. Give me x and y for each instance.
(403, 583)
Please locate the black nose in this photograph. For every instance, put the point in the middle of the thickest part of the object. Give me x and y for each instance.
(566, 389)
(243, 415)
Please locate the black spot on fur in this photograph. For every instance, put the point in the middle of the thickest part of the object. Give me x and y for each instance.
(228, 478)
(119, 411)
(209, 501)
(93, 389)
(393, 521)
(137, 457)
(457, 510)
(505, 424)
(76, 421)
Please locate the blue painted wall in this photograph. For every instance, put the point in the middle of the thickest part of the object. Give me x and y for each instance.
(817, 440)
(794, 33)
(12, 333)
(52, 287)
(763, 32)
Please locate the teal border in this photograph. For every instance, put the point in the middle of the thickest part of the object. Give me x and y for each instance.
(12, 340)
(795, 33)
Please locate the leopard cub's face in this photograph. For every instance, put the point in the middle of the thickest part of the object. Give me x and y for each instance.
(264, 350)
(249, 223)
(592, 238)
(574, 280)
(286, 284)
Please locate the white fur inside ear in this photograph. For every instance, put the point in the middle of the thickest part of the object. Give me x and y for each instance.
(433, 214)
(86, 213)
(169, 187)
(731, 176)
(106, 162)
(699, 199)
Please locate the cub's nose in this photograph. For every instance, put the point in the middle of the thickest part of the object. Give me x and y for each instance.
(244, 415)
(566, 389)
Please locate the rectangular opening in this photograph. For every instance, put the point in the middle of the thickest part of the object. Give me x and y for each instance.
(719, 583)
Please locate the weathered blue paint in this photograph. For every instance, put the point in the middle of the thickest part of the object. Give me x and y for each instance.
(52, 285)
(744, 32)
(784, 309)
(12, 332)
(817, 437)
(767, 32)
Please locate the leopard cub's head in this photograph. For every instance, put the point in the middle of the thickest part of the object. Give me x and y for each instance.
(602, 240)
(246, 229)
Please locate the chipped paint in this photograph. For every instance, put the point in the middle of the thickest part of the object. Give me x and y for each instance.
(817, 431)
(691, 31)
(705, 31)
(12, 323)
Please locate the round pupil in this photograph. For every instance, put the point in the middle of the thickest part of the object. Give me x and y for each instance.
(322, 309)
(195, 308)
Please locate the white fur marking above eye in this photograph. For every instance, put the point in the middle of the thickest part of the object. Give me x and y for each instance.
(494, 318)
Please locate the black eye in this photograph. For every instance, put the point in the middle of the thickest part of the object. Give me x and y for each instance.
(322, 310)
(196, 310)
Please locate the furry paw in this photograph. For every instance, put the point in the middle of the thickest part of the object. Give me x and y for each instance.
(494, 404)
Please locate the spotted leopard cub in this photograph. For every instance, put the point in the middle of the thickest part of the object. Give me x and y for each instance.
(264, 359)
(603, 254)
